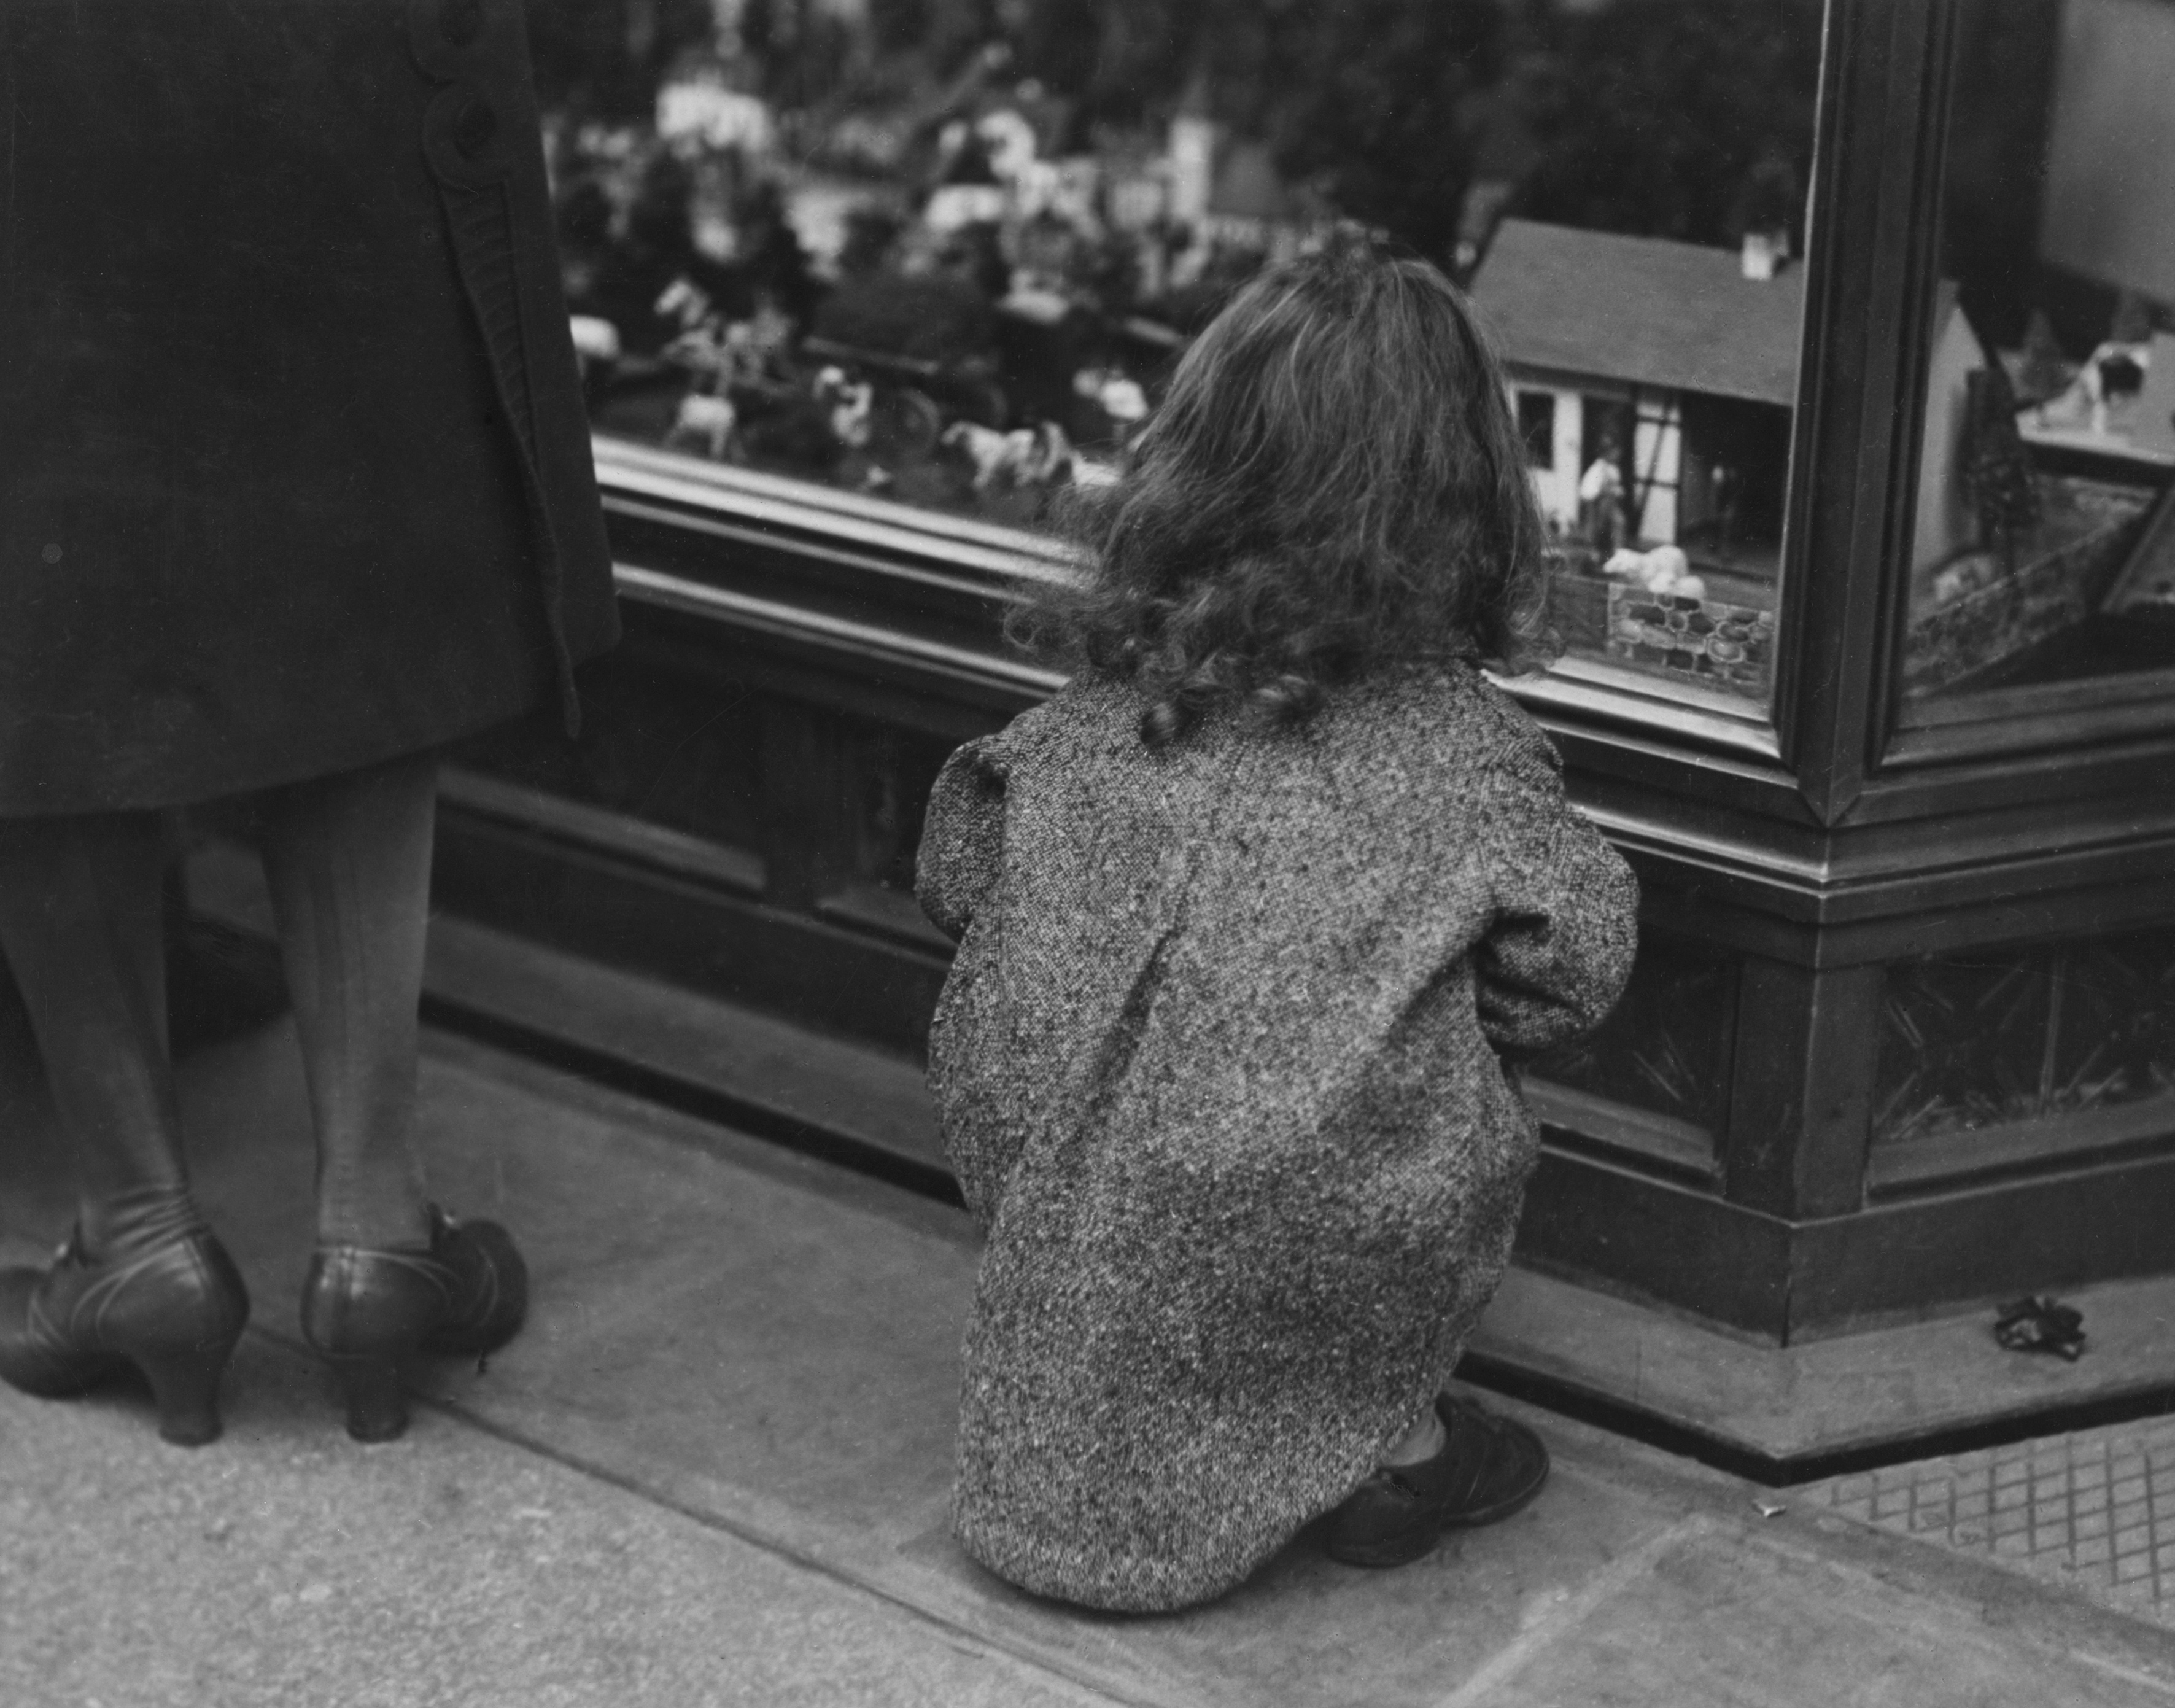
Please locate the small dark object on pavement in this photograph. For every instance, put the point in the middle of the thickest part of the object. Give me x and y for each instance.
(2040, 1326)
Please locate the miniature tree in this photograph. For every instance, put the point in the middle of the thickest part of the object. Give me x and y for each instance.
(1996, 468)
(2043, 372)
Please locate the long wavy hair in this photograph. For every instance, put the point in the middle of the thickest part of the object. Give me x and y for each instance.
(1334, 483)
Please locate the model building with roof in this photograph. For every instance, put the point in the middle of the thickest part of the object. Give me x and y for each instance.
(1662, 357)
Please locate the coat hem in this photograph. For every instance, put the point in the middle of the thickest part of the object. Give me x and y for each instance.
(280, 772)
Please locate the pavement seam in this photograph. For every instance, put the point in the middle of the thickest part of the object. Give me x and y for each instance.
(1572, 1611)
(1099, 1695)
(2128, 1675)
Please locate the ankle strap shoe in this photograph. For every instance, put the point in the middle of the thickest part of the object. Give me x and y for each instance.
(173, 1312)
(366, 1310)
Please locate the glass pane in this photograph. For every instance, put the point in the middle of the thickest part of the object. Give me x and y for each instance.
(2044, 549)
(946, 251)
(1994, 1039)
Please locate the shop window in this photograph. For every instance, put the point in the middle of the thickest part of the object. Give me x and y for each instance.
(944, 252)
(2043, 543)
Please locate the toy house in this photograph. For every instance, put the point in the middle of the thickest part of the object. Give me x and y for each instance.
(1653, 382)
(1663, 355)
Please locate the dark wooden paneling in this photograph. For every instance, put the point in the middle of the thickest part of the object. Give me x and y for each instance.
(1869, 285)
(1650, 1239)
(1800, 1105)
(1985, 1244)
(629, 915)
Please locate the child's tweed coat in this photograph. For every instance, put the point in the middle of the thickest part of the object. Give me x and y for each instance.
(1218, 1066)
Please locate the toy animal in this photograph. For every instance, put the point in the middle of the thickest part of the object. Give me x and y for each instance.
(1029, 455)
(1664, 570)
(706, 421)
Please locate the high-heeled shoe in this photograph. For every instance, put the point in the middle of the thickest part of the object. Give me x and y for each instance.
(365, 1311)
(173, 1312)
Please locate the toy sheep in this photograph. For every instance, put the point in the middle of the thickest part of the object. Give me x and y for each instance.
(704, 421)
(1665, 571)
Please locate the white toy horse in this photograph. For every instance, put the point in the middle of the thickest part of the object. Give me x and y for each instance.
(706, 421)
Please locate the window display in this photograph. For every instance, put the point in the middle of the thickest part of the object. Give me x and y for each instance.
(2043, 547)
(946, 251)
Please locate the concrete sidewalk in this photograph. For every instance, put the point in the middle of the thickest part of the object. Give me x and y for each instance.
(715, 1470)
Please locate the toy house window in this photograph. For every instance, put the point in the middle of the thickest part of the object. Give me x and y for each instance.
(2042, 548)
(946, 255)
(1537, 426)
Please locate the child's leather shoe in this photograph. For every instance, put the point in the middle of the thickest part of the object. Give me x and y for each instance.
(1487, 1468)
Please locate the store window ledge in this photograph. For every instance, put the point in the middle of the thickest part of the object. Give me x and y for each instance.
(1789, 1414)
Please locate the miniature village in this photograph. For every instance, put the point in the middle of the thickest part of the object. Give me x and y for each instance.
(943, 309)
(955, 304)
(960, 286)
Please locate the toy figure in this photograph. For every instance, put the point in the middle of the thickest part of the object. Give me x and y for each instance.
(1601, 499)
(850, 403)
(1026, 457)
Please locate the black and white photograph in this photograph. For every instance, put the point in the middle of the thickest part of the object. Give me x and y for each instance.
(1086, 853)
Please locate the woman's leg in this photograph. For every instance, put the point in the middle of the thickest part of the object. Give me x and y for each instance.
(349, 860)
(142, 1280)
(79, 921)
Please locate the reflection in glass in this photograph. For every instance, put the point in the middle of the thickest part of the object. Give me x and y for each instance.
(946, 251)
(2043, 547)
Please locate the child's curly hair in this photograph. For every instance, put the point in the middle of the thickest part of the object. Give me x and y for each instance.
(1334, 483)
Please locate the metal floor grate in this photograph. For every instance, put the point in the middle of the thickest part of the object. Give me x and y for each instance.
(2095, 1510)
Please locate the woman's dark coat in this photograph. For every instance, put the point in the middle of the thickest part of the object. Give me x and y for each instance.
(294, 472)
(1219, 1066)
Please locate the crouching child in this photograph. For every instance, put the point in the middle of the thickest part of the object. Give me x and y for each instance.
(1258, 918)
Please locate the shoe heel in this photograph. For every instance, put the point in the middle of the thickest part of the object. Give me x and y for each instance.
(186, 1386)
(376, 1401)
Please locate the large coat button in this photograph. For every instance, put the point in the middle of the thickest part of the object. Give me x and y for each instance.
(464, 140)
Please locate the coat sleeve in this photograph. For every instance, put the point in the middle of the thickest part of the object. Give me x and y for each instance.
(962, 838)
(1560, 949)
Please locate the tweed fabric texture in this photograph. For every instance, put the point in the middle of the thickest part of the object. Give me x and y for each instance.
(1221, 1066)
